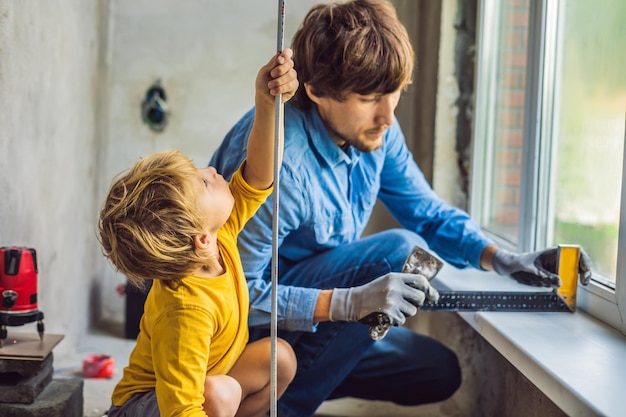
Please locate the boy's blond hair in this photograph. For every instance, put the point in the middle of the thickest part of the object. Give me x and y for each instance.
(150, 218)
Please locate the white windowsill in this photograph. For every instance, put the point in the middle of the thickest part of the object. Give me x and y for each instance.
(575, 360)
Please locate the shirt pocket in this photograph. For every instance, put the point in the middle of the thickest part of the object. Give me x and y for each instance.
(367, 199)
(334, 230)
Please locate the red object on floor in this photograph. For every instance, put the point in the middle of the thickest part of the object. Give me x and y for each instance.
(98, 366)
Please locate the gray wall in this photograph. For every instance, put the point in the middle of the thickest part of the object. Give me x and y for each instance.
(48, 102)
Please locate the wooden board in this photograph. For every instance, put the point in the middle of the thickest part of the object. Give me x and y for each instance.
(28, 346)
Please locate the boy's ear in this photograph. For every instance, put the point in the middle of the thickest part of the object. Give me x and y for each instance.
(201, 241)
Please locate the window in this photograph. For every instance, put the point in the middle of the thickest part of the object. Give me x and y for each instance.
(549, 135)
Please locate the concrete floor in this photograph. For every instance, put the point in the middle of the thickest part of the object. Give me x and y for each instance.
(97, 392)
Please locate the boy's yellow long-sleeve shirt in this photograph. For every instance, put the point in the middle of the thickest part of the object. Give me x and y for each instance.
(195, 327)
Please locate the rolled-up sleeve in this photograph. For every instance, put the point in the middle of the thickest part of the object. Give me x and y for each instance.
(296, 305)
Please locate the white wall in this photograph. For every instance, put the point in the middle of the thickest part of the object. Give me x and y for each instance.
(48, 79)
(206, 54)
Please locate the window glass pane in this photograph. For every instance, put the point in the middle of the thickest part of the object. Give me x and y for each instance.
(503, 195)
(589, 129)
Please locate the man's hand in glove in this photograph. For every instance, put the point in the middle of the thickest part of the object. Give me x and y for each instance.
(537, 268)
(396, 294)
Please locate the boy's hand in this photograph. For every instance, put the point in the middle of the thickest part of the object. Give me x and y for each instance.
(278, 76)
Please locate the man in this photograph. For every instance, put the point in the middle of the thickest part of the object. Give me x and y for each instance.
(344, 149)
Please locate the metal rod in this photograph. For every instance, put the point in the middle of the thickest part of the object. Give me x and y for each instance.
(274, 274)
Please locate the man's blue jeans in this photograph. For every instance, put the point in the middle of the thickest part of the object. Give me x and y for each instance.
(340, 359)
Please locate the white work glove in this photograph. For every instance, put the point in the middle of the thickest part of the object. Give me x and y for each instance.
(396, 294)
(539, 268)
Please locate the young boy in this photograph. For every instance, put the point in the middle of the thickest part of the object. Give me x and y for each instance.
(167, 221)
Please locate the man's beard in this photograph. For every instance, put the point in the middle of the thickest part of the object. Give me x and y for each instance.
(355, 141)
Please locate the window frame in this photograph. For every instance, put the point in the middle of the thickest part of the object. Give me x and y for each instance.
(596, 299)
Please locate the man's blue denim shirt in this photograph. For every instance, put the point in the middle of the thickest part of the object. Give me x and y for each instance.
(326, 198)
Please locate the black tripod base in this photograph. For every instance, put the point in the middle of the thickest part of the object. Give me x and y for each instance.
(19, 319)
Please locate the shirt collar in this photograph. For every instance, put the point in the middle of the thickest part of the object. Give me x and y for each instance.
(326, 146)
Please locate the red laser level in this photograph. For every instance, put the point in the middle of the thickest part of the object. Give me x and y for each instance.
(18, 289)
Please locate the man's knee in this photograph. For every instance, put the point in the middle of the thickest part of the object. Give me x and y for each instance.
(398, 244)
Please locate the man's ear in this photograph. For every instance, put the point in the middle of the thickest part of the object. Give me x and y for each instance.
(309, 92)
(202, 241)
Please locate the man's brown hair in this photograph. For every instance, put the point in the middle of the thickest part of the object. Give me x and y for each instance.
(357, 46)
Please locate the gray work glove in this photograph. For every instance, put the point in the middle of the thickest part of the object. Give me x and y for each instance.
(539, 268)
(396, 294)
